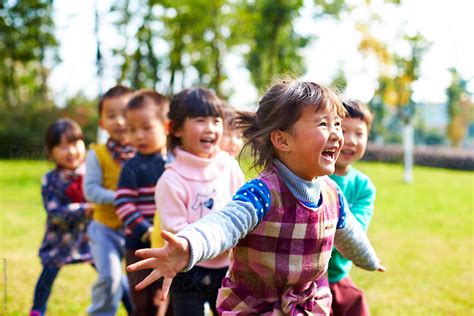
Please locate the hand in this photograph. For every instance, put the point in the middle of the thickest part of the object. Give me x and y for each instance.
(381, 268)
(166, 262)
(89, 210)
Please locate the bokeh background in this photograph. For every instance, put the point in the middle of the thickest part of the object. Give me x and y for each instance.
(412, 62)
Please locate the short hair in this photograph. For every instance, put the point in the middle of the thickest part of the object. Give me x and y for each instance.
(55, 131)
(144, 97)
(194, 102)
(114, 92)
(279, 109)
(357, 109)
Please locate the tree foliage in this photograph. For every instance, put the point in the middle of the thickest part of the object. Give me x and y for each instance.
(458, 108)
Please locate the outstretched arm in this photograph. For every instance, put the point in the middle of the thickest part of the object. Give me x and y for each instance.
(210, 236)
(352, 241)
(166, 261)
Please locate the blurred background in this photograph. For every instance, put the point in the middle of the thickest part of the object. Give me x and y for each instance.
(412, 61)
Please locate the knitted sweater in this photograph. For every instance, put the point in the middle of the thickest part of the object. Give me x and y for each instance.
(135, 197)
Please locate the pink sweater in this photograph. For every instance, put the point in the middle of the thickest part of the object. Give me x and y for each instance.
(191, 187)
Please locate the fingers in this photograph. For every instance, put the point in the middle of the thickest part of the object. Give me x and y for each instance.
(152, 277)
(169, 237)
(166, 288)
(143, 264)
(381, 268)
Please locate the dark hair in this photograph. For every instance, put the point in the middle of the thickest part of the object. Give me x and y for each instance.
(229, 113)
(145, 97)
(67, 127)
(279, 109)
(358, 110)
(114, 92)
(195, 102)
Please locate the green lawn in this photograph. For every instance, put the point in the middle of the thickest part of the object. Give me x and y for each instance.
(423, 232)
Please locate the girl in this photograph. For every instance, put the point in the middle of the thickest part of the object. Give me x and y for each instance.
(65, 238)
(201, 179)
(283, 224)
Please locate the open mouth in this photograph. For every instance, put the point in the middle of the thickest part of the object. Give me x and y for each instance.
(347, 152)
(208, 141)
(329, 153)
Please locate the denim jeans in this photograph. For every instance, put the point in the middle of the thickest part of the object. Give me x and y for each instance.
(107, 248)
(191, 289)
(43, 289)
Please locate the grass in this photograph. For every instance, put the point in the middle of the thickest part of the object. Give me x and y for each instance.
(423, 232)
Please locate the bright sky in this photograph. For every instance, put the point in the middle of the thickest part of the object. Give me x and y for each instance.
(448, 26)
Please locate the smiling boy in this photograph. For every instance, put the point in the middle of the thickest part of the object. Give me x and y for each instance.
(360, 194)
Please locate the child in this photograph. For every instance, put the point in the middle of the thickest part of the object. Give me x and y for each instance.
(106, 239)
(360, 193)
(134, 200)
(201, 179)
(65, 240)
(281, 225)
(231, 141)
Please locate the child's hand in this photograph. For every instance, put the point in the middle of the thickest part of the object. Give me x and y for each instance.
(89, 210)
(166, 262)
(381, 268)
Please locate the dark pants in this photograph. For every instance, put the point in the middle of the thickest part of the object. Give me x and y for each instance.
(43, 288)
(347, 299)
(191, 290)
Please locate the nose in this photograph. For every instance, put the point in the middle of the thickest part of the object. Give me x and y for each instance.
(336, 133)
(71, 150)
(349, 139)
(121, 120)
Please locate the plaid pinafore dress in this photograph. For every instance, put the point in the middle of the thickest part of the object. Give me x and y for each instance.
(273, 270)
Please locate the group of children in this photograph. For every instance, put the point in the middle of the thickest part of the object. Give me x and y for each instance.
(167, 178)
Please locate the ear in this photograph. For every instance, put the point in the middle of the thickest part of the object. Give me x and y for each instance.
(177, 132)
(279, 140)
(101, 123)
(167, 127)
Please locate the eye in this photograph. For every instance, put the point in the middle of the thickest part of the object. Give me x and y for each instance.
(323, 124)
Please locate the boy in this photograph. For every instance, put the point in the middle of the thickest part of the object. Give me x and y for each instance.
(106, 240)
(146, 123)
(360, 194)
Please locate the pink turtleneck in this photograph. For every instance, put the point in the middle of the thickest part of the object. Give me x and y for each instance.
(191, 187)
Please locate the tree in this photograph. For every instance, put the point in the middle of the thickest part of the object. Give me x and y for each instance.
(27, 44)
(458, 107)
(267, 29)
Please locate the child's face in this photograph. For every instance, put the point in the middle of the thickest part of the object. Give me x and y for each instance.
(112, 117)
(355, 141)
(146, 131)
(314, 142)
(200, 136)
(231, 142)
(69, 155)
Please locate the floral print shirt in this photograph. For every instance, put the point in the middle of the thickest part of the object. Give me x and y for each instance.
(65, 239)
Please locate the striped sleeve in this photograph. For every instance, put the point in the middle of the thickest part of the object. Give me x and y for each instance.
(219, 231)
(127, 198)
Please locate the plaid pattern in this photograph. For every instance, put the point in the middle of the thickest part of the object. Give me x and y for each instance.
(274, 268)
